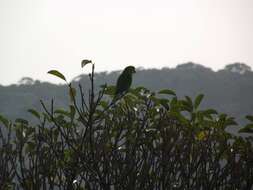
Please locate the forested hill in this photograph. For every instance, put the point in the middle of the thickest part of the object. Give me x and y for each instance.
(229, 90)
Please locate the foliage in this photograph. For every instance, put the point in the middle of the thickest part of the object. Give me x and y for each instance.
(145, 140)
(226, 90)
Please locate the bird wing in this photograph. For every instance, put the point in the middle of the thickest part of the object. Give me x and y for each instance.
(123, 83)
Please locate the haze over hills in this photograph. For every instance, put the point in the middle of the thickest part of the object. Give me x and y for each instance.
(229, 90)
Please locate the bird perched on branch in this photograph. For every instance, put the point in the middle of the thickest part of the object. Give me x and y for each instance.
(124, 82)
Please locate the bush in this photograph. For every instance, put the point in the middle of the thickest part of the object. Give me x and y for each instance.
(145, 140)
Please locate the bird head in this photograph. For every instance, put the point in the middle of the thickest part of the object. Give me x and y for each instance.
(129, 70)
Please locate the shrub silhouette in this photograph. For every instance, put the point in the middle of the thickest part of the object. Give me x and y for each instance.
(145, 140)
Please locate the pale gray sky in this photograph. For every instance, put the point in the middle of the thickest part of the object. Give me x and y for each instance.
(40, 35)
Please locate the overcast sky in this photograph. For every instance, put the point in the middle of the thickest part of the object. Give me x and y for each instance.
(39, 35)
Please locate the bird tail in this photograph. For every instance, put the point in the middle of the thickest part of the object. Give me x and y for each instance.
(116, 98)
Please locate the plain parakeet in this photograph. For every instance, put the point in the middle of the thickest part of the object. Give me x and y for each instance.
(124, 81)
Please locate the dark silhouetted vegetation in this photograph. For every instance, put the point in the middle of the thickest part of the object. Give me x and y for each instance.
(146, 140)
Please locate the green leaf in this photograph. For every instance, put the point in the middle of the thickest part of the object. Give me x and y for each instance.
(187, 104)
(249, 117)
(46, 117)
(56, 134)
(72, 112)
(72, 93)
(30, 147)
(222, 117)
(189, 100)
(164, 103)
(104, 104)
(29, 131)
(57, 73)
(154, 99)
(4, 121)
(110, 90)
(198, 100)
(67, 154)
(230, 121)
(60, 120)
(174, 104)
(85, 62)
(34, 113)
(247, 129)
(62, 112)
(202, 135)
(21, 121)
(179, 117)
(210, 111)
(140, 91)
(167, 91)
(18, 133)
(130, 98)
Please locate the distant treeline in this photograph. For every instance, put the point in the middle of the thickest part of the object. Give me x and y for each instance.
(229, 90)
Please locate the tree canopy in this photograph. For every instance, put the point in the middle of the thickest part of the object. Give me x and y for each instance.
(145, 140)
